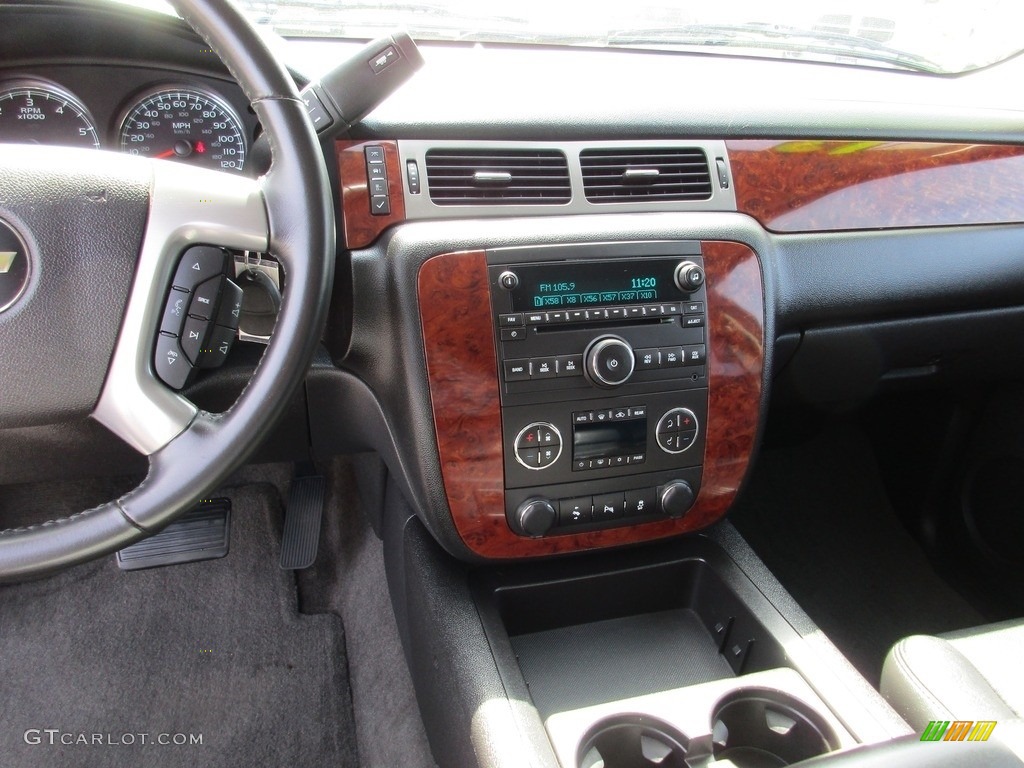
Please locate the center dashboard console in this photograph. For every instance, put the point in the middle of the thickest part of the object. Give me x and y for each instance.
(592, 394)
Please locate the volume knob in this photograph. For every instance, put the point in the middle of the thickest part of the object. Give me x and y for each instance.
(536, 516)
(609, 361)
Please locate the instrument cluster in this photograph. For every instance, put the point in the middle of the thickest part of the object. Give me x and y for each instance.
(179, 121)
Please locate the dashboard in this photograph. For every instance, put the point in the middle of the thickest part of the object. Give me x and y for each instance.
(477, 310)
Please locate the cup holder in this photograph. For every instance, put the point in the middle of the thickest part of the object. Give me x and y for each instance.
(762, 728)
(633, 741)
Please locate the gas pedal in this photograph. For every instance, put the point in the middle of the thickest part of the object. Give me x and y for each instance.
(302, 522)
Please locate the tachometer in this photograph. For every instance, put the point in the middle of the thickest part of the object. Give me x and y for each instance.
(42, 113)
(185, 124)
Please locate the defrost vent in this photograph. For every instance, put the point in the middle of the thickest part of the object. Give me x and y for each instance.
(498, 177)
(633, 175)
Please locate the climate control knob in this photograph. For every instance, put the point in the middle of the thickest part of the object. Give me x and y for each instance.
(689, 276)
(676, 498)
(536, 516)
(609, 361)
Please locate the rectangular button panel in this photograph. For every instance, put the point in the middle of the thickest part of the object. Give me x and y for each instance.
(377, 177)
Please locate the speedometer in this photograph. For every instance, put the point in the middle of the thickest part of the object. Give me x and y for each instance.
(42, 113)
(185, 124)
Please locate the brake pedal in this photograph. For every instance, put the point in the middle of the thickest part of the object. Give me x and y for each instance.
(302, 522)
(201, 533)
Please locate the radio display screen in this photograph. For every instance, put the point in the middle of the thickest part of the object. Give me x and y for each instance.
(566, 285)
(611, 438)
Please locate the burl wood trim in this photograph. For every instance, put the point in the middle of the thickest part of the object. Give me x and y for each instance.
(809, 186)
(462, 373)
(359, 225)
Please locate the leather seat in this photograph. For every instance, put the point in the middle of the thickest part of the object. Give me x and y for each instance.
(971, 674)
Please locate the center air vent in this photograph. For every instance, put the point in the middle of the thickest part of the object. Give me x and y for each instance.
(625, 175)
(498, 177)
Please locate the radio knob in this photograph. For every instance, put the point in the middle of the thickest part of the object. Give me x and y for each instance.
(536, 516)
(609, 361)
(689, 277)
(676, 498)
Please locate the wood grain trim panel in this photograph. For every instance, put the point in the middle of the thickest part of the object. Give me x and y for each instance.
(462, 374)
(810, 186)
(361, 227)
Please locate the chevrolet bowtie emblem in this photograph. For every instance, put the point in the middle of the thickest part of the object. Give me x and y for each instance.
(7, 261)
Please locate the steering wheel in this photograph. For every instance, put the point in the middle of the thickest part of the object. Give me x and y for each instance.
(101, 235)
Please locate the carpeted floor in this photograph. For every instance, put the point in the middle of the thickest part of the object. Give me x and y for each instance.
(817, 514)
(215, 650)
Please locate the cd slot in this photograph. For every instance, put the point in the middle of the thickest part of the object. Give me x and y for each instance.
(604, 324)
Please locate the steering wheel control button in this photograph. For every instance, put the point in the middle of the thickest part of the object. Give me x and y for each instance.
(175, 311)
(609, 361)
(538, 445)
(193, 337)
(204, 300)
(575, 511)
(170, 362)
(677, 430)
(199, 264)
(216, 350)
(230, 305)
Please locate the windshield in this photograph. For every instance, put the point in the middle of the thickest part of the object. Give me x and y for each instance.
(941, 36)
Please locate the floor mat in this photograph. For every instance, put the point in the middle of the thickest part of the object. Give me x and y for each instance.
(99, 667)
(817, 514)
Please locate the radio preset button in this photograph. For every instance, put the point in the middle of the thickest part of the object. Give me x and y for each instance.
(511, 321)
(575, 511)
(513, 334)
(557, 317)
(597, 314)
(635, 311)
(577, 315)
(654, 310)
(570, 365)
(617, 313)
(517, 370)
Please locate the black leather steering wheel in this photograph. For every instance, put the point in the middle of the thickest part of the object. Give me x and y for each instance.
(100, 228)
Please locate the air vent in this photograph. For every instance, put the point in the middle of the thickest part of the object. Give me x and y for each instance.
(631, 175)
(498, 177)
